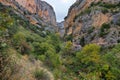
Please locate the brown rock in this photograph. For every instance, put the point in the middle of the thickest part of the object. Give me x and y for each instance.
(38, 11)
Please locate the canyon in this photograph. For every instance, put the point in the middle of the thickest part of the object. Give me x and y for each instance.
(34, 46)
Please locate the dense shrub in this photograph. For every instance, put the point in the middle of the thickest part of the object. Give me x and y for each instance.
(104, 10)
(41, 75)
(118, 22)
(82, 41)
(104, 30)
(89, 54)
(69, 37)
(86, 11)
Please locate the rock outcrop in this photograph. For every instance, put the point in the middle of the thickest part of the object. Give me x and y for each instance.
(94, 21)
(37, 11)
(61, 29)
(43, 9)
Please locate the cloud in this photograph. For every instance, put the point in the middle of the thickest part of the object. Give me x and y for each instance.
(61, 7)
(64, 1)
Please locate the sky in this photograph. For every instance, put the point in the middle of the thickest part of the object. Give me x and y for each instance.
(61, 7)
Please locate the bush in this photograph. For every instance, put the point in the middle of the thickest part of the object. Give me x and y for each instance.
(104, 11)
(18, 38)
(82, 41)
(108, 5)
(69, 37)
(91, 29)
(67, 49)
(104, 30)
(41, 75)
(52, 59)
(118, 22)
(89, 54)
(19, 42)
(86, 11)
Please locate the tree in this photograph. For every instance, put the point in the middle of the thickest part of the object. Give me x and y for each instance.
(67, 51)
(19, 41)
(89, 54)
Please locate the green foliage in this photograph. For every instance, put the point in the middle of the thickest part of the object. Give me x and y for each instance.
(118, 22)
(91, 29)
(67, 49)
(92, 65)
(52, 59)
(41, 75)
(104, 30)
(18, 36)
(86, 11)
(69, 37)
(108, 5)
(82, 41)
(93, 4)
(57, 73)
(112, 60)
(19, 42)
(7, 22)
(104, 10)
(89, 54)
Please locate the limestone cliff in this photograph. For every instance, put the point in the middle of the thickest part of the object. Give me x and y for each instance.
(61, 29)
(37, 11)
(94, 21)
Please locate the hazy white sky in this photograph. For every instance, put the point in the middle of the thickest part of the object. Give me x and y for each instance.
(61, 7)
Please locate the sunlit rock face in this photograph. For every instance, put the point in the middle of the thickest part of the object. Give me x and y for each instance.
(87, 19)
(44, 10)
(35, 7)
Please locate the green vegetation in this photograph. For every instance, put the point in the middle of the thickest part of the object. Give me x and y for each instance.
(82, 41)
(86, 11)
(26, 39)
(91, 64)
(118, 22)
(106, 5)
(18, 36)
(69, 37)
(103, 7)
(104, 30)
(41, 75)
(91, 29)
(104, 10)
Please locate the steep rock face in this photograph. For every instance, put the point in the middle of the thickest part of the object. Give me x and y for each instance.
(94, 21)
(61, 29)
(37, 11)
(44, 10)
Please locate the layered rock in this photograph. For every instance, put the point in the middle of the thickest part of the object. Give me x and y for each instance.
(94, 21)
(43, 9)
(37, 11)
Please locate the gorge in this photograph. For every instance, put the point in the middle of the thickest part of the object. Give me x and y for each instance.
(34, 46)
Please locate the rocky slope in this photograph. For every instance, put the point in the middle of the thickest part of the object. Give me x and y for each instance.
(38, 12)
(14, 64)
(94, 21)
(24, 68)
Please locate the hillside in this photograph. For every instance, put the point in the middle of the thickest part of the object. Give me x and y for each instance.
(83, 47)
(17, 47)
(37, 12)
(94, 21)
